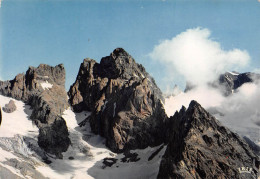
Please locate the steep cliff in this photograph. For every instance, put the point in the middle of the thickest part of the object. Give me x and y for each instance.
(44, 89)
(200, 147)
(126, 104)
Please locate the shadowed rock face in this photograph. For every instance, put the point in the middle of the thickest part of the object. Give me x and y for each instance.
(126, 103)
(229, 82)
(44, 89)
(201, 148)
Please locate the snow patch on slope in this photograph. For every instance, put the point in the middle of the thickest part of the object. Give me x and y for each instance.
(14, 127)
(4, 156)
(17, 122)
(233, 73)
(84, 158)
(85, 150)
(128, 170)
(46, 85)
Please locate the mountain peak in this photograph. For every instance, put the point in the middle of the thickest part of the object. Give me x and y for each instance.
(119, 52)
(194, 104)
(43, 87)
(200, 147)
(125, 102)
(121, 64)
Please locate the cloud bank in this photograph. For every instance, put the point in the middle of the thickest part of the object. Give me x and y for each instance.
(208, 97)
(239, 111)
(195, 56)
(199, 59)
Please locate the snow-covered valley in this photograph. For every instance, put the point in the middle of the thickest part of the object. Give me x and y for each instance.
(21, 157)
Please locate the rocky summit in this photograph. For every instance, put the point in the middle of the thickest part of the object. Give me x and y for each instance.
(200, 147)
(126, 108)
(44, 89)
(229, 82)
(126, 104)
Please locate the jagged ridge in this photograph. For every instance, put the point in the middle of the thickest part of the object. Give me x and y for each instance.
(48, 103)
(201, 148)
(125, 102)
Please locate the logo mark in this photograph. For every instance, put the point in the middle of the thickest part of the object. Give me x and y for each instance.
(245, 170)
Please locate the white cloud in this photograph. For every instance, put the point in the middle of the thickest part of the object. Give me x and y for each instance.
(242, 111)
(199, 59)
(239, 111)
(247, 91)
(206, 96)
(195, 56)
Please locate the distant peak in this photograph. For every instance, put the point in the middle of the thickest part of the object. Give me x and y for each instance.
(233, 73)
(194, 104)
(119, 52)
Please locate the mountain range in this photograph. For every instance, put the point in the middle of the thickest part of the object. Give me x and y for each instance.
(112, 124)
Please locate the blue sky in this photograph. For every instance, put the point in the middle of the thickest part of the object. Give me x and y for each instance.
(57, 31)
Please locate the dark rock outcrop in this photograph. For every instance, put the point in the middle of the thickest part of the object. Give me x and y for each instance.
(200, 147)
(109, 162)
(126, 104)
(230, 82)
(10, 107)
(252, 145)
(44, 89)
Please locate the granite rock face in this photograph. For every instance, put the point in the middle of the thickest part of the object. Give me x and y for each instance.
(10, 107)
(44, 89)
(126, 104)
(200, 147)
